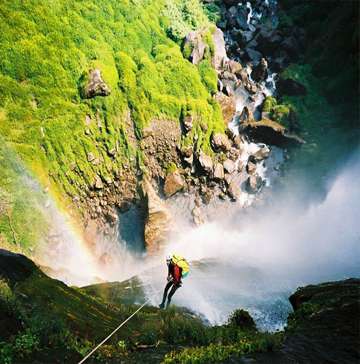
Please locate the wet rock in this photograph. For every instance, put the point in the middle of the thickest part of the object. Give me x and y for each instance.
(96, 86)
(254, 184)
(174, 183)
(246, 115)
(234, 67)
(260, 71)
(220, 142)
(262, 153)
(233, 190)
(206, 194)
(158, 219)
(253, 55)
(290, 87)
(242, 16)
(270, 132)
(219, 49)
(219, 171)
(229, 166)
(251, 166)
(234, 154)
(228, 106)
(206, 163)
(112, 217)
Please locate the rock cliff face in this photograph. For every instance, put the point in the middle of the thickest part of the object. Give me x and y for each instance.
(158, 219)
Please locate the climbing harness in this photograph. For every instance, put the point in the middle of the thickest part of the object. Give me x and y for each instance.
(109, 336)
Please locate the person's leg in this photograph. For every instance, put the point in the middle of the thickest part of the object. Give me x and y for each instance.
(173, 290)
(167, 287)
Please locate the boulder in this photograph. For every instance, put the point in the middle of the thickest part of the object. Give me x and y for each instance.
(219, 56)
(188, 123)
(254, 184)
(229, 166)
(290, 87)
(324, 327)
(233, 190)
(270, 132)
(253, 55)
(251, 166)
(158, 219)
(246, 115)
(262, 153)
(95, 86)
(219, 172)
(260, 71)
(174, 182)
(194, 41)
(228, 106)
(242, 16)
(206, 163)
(220, 142)
(98, 183)
(234, 67)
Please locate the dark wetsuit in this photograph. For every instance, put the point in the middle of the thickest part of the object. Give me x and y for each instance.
(174, 277)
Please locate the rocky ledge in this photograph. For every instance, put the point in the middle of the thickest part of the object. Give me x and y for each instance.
(324, 327)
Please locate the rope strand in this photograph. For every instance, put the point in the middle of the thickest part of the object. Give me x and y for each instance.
(109, 336)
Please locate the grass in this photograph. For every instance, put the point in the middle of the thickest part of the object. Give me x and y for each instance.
(43, 319)
(45, 52)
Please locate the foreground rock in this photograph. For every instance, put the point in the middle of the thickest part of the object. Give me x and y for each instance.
(158, 220)
(270, 132)
(325, 326)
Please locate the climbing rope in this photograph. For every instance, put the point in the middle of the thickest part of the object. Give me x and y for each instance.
(109, 336)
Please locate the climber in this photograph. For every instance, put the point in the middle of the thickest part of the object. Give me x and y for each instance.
(178, 268)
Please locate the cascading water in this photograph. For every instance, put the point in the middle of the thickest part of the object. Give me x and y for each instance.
(255, 259)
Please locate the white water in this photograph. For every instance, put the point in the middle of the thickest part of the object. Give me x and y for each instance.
(256, 259)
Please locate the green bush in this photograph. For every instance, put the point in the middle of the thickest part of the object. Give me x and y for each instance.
(183, 17)
(216, 352)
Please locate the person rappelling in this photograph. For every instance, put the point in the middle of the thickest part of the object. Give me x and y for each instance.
(178, 268)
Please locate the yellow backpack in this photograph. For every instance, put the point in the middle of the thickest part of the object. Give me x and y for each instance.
(182, 263)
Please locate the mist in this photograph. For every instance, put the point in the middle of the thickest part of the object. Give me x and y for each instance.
(257, 257)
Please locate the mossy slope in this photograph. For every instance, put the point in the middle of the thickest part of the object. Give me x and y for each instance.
(46, 49)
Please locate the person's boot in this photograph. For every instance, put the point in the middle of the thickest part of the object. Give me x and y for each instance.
(162, 305)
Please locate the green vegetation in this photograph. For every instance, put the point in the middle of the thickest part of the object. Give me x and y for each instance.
(183, 16)
(216, 352)
(46, 53)
(43, 318)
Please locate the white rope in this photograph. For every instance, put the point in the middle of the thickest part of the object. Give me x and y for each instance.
(108, 337)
